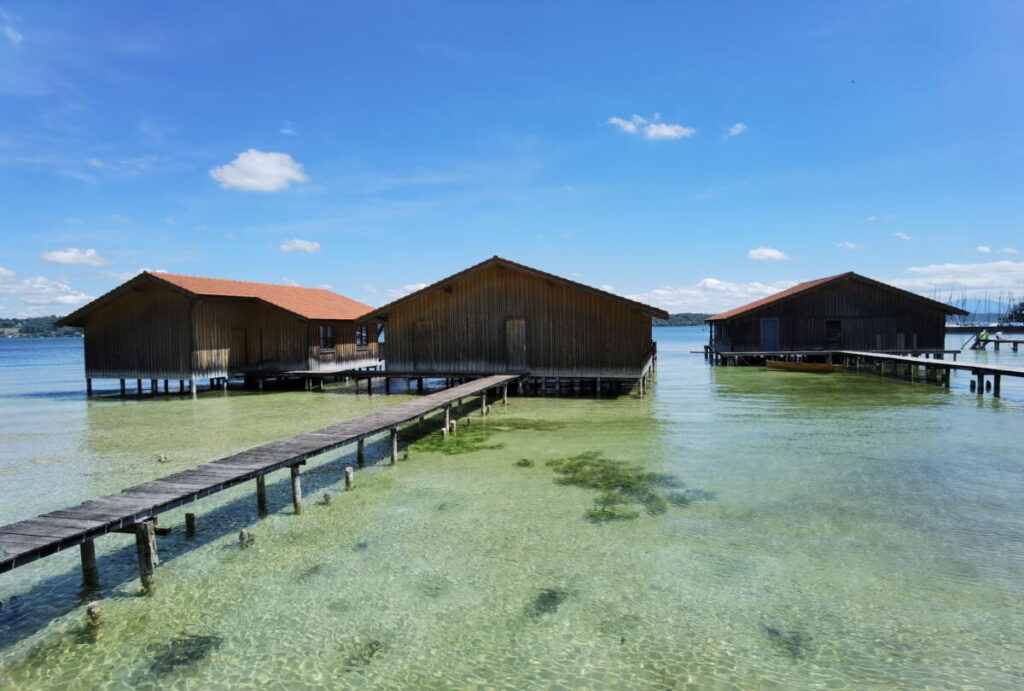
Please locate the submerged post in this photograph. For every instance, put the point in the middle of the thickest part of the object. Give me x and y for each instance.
(261, 495)
(504, 394)
(190, 525)
(350, 477)
(981, 382)
(90, 573)
(145, 550)
(995, 384)
(296, 490)
(361, 453)
(394, 445)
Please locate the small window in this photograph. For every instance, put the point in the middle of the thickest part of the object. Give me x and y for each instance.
(327, 337)
(362, 338)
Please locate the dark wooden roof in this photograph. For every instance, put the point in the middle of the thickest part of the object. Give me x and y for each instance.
(380, 312)
(810, 286)
(307, 303)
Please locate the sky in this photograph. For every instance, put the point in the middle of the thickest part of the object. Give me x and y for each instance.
(693, 155)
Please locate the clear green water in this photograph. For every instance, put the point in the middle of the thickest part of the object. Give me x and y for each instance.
(851, 532)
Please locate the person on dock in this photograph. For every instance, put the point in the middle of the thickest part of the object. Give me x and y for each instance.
(983, 339)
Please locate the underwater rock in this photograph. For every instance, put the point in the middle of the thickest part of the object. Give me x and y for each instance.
(246, 539)
(94, 612)
(524, 463)
(361, 546)
(325, 500)
(547, 602)
(161, 458)
(312, 572)
(364, 652)
(183, 651)
(793, 643)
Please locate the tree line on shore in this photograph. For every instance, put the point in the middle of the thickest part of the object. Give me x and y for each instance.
(35, 327)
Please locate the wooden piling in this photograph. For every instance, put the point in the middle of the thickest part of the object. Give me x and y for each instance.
(153, 386)
(361, 453)
(190, 525)
(181, 386)
(447, 421)
(996, 384)
(419, 385)
(387, 384)
(192, 386)
(123, 392)
(504, 394)
(88, 386)
(981, 382)
(261, 495)
(138, 387)
(296, 489)
(167, 388)
(394, 445)
(90, 572)
(145, 550)
(350, 477)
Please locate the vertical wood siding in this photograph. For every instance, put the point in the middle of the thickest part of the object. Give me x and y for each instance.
(144, 334)
(568, 331)
(872, 318)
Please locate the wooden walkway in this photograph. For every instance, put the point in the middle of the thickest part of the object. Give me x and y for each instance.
(943, 367)
(134, 509)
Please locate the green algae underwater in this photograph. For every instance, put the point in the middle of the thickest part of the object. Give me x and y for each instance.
(737, 528)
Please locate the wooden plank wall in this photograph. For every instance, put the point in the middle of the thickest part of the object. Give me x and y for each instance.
(345, 353)
(275, 339)
(569, 332)
(866, 312)
(142, 334)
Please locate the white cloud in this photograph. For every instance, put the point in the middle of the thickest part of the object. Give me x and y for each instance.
(1008, 250)
(8, 30)
(290, 281)
(395, 293)
(259, 171)
(974, 279)
(735, 130)
(324, 286)
(118, 218)
(39, 295)
(74, 256)
(297, 245)
(369, 288)
(125, 275)
(710, 295)
(767, 254)
(902, 236)
(663, 130)
(872, 219)
(608, 288)
(984, 249)
(652, 129)
(850, 246)
(287, 128)
(97, 163)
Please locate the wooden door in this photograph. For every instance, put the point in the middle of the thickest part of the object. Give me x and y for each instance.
(770, 333)
(423, 346)
(515, 344)
(237, 355)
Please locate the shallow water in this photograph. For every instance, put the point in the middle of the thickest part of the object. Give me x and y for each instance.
(839, 531)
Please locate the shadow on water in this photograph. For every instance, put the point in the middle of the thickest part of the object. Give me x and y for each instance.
(57, 595)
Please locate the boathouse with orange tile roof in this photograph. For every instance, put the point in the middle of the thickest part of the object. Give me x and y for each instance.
(842, 312)
(164, 326)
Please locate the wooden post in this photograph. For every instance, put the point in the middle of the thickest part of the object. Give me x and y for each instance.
(361, 453)
(90, 573)
(122, 388)
(350, 477)
(152, 386)
(167, 388)
(145, 550)
(394, 446)
(88, 386)
(483, 404)
(224, 383)
(261, 495)
(181, 386)
(981, 383)
(447, 421)
(419, 385)
(504, 394)
(460, 406)
(296, 490)
(192, 385)
(190, 525)
(138, 387)
(387, 384)
(995, 384)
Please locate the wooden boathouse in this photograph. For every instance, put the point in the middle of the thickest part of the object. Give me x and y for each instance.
(502, 317)
(843, 312)
(163, 326)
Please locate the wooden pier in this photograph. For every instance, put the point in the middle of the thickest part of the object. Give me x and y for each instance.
(134, 510)
(935, 370)
(1014, 343)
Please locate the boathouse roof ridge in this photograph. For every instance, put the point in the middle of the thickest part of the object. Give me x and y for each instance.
(509, 264)
(307, 303)
(808, 286)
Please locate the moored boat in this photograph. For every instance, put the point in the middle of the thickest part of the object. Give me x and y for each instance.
(819, 367)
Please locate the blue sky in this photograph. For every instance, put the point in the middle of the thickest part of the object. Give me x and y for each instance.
(696, 155)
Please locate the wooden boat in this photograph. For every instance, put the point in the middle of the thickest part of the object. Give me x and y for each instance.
(819, 367)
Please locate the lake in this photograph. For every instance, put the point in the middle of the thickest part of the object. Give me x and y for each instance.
(782, 530)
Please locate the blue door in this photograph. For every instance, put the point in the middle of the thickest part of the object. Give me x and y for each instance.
(770, 333)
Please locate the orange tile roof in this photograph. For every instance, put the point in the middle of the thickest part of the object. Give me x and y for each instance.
(310, 303)
(807, 286)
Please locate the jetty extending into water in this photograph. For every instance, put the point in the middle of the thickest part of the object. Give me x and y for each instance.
(134, 510)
